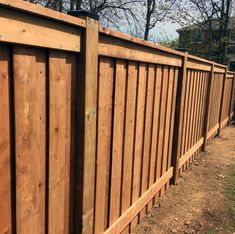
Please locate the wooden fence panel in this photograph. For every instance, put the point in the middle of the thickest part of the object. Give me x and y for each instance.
(133, 154)
(193, 118)
(216, 102)
(93, 126)
(5, 152)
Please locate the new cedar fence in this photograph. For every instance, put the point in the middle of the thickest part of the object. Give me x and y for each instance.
(95, 124)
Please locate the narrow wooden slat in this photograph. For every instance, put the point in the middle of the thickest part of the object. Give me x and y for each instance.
(189, 153)
(155, 128)
(129, 136)
(117, 151)
(232, 96)
(139, 133)
(208, 107)
(178, 127)
(191, 77)
(161, 132)
(172, 118)
(106, 82)
(212, 131)
(224, 122)
(124, 220)
(5, 154)
(61, 81)
(222, 102)
(185, 113)
(167, 121)
(31, 30)
(30, 132)
(148, 130)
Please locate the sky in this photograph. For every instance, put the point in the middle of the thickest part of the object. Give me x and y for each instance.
(165, 30)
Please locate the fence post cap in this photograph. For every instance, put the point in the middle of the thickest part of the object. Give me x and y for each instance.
(83, 14)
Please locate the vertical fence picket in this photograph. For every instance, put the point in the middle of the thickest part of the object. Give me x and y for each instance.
(5, 154)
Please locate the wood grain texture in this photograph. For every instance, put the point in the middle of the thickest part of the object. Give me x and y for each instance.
(117, 150)
(30, 132)
(131, 94)
(30, 30)
(105, 105)
(61, 80)
(5, 153)
(139, 133)
(148, 131)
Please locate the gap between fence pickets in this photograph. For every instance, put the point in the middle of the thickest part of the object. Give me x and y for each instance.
(187, 156)
(131, 212)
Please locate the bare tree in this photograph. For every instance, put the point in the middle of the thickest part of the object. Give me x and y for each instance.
(211, 16)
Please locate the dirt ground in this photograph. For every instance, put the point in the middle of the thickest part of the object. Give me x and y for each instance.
(204, 199)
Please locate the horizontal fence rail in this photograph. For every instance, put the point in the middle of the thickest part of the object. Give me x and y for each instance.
(95, 125)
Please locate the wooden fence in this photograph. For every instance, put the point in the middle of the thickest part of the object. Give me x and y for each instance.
(94, 124)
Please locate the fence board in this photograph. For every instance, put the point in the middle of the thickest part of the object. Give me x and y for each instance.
(148, 130)
(131, 95)
(5, 154)
(139, 133)
(106, 75)
(30, 131)
(117, 151)
(61, 80)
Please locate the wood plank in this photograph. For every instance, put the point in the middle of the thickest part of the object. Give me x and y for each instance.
(224, 122)
(168, 120)
(219, 69)
(43, 12)
(232, 95)
(31, 30)
(189, 153)
(222, 101)
(117, 150)
(148, 131)
(189, 111)
(208, 107)
(128, 38)
(197, 65)
(131, 94)
(105, 103)
(61, 81)
(185, 112)
(139, 133)
(30, 135)
(116, 48)
(86, 128)
(178, 127)
(155, 128)
(173, 107)
(212, 131)
(161, 132)
(5, 153)
(124, 220)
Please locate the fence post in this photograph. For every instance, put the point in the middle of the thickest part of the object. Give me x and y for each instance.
(86, 119)
(231, 101)
(179, 112)
(208, 107)
(222, 102)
